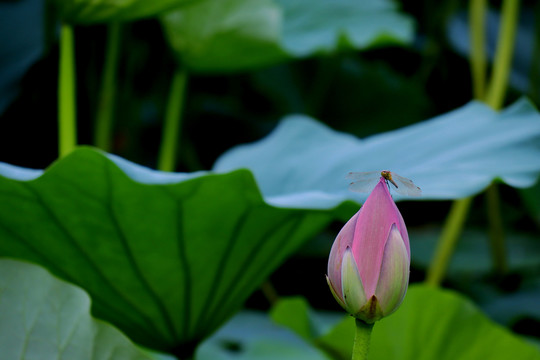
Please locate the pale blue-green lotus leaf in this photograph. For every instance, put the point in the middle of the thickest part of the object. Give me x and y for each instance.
(233, 35)
(42, 317)
(511, 308)
(326, 26)
(253, 336)
(454, 155)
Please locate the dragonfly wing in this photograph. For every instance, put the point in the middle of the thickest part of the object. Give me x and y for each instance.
(406, 186)
(363, 182)
(362, 176)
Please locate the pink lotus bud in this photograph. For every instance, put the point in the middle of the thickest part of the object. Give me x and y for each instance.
(368, 268)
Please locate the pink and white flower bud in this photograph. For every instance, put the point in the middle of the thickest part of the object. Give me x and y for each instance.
(368, 268)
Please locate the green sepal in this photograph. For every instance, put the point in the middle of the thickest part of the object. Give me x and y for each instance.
(371, 311)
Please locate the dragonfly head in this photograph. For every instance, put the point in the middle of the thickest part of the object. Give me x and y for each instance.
(386, 174)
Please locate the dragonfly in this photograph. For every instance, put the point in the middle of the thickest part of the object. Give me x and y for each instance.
(364, 182)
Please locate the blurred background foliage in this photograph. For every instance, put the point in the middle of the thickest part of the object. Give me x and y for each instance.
(378, 89)
(359, 92)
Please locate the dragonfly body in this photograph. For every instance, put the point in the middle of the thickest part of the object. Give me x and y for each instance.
(365, 182)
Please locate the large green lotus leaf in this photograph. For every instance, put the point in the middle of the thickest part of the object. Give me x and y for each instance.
(440, 324)
(42, 317)
(430, 324)
(167, 261)
(228, 35)
(95, 11)
(451, 156)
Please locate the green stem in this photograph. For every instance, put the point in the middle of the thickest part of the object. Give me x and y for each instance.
(173, 119)
(67, 124)
(503, 54)
(495, 99)
(496, 230)
(362, 339)
(447, 242)
(477, 17)
(105, 110)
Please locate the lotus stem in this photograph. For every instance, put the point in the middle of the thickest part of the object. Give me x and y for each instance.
(496, 230)
(362, 339)
(477, 16)
(495, 99)
(173, 120)
(67, 121)
(503, 55)
(106, 106)
(452, 230)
